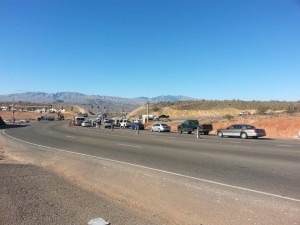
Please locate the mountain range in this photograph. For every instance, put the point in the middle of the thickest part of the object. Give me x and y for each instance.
(114, 103)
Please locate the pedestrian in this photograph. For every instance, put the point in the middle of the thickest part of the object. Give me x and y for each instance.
(70, 123)
(99, 124)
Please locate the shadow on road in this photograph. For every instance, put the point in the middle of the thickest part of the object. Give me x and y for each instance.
(10, 126)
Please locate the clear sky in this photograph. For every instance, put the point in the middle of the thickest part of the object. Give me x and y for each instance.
(207, 49)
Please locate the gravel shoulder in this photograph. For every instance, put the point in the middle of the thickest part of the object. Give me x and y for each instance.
(33, 195)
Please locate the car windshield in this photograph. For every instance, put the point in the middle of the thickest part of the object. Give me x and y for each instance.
(164, 125)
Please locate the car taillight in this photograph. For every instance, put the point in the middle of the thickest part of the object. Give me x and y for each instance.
(255, 131)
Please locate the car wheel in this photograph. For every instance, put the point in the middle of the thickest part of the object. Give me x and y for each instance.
(220, 134)
(244, 135)
(179, 131)
(189, 132)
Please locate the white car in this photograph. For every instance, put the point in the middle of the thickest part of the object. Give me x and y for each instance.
(24, 121)
(87, 123)
(161, 127)
(125, 123)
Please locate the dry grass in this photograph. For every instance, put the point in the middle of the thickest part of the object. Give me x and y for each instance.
(194, 109)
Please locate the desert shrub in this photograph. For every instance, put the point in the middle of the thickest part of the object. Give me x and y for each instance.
(262, 109)
(228, 117)
(155, 108)
(292, 108)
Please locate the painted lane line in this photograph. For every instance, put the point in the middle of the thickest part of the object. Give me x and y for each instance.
(285, 145)
(134, 146)
(70, 137)
(161, 171)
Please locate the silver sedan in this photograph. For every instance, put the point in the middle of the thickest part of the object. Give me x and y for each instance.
(87, 123)
(160, 127)
(241, 130)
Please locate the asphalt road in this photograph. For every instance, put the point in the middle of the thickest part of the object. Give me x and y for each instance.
(265, 165)
(208, 179)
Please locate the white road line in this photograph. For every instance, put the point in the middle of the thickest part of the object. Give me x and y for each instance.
(285, 145)
(70, 137)
(158, 170)
(134, 146)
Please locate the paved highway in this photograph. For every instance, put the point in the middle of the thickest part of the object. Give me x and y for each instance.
(264, 168)
(265, 165)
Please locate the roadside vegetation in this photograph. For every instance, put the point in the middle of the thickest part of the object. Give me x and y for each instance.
(218, 108)
(261, 106)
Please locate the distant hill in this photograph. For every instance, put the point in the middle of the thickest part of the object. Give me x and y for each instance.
(88, 101)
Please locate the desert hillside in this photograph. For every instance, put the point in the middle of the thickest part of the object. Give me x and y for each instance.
(194, 109)
(279, 119)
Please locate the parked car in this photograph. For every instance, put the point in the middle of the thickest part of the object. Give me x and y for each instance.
(162, 118)
(125, 123)
(87, 123)
(78, 120)
(241, 130)
(116, 122)
(108, 123)
(139, 125)
(160, 127)
(24, 121)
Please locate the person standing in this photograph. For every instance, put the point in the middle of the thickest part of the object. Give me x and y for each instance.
(99, 124)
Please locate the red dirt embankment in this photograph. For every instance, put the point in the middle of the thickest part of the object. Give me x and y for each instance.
(279, 126)
(276, 126)
(7, 115)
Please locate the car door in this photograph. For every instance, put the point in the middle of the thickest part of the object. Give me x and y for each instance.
(185, 126)
(229, 131)
(236, 131)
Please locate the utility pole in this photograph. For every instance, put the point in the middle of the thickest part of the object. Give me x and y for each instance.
(13, 111)
(147, 112)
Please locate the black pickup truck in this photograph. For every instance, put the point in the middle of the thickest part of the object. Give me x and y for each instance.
(190, 126)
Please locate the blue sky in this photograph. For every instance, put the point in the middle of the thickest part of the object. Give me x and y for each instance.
(207, 49)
